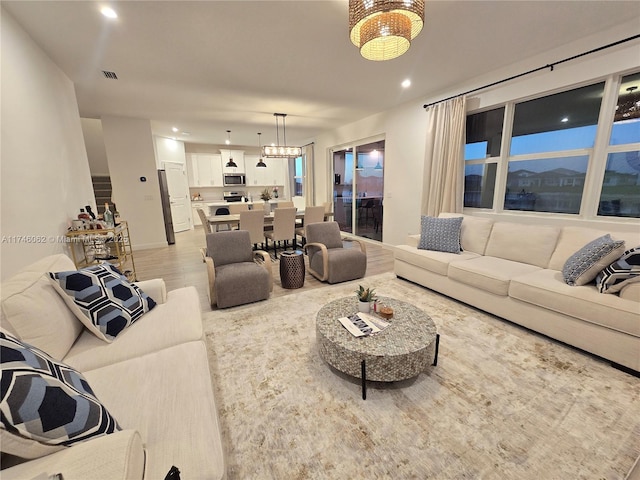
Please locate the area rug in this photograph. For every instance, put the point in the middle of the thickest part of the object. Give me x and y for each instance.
(502, 403)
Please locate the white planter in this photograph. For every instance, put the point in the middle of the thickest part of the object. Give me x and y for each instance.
(364, 307)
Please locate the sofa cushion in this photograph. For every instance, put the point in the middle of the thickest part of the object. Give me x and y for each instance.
(28, 297)
(474, 233)
(530, 244)
(119, 455)
(631, 291)
(168, 397)
(240, 283)
(488, 273)
(176, 321)
(102, 298)
(440, 234)
(583, 266)
(547, 289)
(437, 262)
(571, 240)
(45, 403)
(623, 271)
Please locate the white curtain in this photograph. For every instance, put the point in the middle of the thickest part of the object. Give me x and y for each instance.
(307, 188)
(443, 186)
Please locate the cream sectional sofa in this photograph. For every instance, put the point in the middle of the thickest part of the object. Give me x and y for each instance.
(514, 271)
(153, 379)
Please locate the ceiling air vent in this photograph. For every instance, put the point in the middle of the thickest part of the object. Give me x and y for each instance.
(110, 75)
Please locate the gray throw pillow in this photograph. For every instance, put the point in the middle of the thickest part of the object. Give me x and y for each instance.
(583, 266)
(440, 234)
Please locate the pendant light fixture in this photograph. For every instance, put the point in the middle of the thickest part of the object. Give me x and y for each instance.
(230, 163)
(281, 151)
(260, 163)
(383, 29)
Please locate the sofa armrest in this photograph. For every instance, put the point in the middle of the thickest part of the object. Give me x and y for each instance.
(264, 260)
(413, 240)
(363, 247)
(119, 455)
(155, 288)
(211, 275)
(313, 248)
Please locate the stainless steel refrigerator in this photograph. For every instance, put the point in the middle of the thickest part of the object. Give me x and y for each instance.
(166, 207)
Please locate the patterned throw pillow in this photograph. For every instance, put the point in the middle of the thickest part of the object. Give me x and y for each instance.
(102, 299)
(623, 271)
(440, 234)
(45, 405)
(583, 266)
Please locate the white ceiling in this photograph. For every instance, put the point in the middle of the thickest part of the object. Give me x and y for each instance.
(211, 66)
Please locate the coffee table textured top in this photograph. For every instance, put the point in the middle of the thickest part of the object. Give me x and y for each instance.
(400, 351)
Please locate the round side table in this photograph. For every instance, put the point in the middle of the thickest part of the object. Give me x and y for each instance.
(292, 269)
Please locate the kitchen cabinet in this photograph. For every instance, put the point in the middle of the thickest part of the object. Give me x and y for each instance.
(204, 170)
(238, 158)
(273, 174)
(194, 212)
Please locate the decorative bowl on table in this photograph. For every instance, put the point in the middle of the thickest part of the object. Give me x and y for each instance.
(386, 312)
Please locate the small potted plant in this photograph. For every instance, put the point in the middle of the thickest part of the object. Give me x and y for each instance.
(365, 297)
(265, 195)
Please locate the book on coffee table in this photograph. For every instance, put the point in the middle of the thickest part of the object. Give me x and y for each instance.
(363, 324)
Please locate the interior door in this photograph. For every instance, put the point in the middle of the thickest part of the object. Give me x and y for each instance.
(178, 196)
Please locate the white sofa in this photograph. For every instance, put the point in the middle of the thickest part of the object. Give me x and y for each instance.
(514, 271)
(153, 379)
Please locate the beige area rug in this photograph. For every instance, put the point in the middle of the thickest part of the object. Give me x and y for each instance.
(503, 403)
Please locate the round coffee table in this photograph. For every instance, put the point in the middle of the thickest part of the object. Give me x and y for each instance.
(401, 351)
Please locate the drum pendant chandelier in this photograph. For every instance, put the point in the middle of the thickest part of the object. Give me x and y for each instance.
(383, 29)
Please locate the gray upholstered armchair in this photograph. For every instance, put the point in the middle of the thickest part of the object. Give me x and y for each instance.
(237, 274)
(328, 259)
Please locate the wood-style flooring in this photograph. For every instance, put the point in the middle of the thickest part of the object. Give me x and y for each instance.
(181, 265)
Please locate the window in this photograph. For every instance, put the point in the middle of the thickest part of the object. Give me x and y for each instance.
(482, 150)
(559, 145)
(620, 194)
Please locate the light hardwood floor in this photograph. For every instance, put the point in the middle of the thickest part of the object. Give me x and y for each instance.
(181, 265)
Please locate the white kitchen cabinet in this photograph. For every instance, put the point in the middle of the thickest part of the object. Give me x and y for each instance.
(238, 158)
(273, 174)
(194, 213)
(204, 170)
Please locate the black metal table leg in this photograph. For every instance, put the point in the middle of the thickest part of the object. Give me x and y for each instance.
(363, 366)
(435, 358)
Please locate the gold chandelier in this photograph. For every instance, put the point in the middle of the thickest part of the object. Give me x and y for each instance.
(383, 29)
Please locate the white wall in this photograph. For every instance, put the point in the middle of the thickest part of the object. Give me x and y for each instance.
(45, 177)
(168, 150)
(130, 151)
(404, 129)
(94, 141)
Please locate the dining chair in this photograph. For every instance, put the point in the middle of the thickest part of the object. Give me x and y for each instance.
(286, 204)
(235, 208)
(252, 221)
(329, 261)
(222, 211)
(311, 215)
(284, 224)
(205, 223)
(237, 275)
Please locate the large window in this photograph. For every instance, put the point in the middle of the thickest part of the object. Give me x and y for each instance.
(545, 164)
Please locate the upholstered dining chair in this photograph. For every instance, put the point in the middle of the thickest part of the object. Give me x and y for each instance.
(311, 215)
(237, 274)
(205, 223)
(285, 204)
(329, 261)
(252, 221)
(222, 211)
(235, 208)
(284, 225)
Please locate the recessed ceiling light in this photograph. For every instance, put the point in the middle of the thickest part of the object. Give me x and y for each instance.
(108, 12)
(174, 129)
(565, 120)
(186, 134)
(406, 83)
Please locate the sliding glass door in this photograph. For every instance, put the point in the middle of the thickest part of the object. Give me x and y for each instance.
(358, 189)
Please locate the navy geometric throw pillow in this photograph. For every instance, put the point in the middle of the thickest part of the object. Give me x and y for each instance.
(102, 299)
(620, 273)
(46, 401)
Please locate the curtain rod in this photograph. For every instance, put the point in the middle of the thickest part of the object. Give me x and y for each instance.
(550, 66)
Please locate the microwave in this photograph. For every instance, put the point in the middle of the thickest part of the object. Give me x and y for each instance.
(234, 179)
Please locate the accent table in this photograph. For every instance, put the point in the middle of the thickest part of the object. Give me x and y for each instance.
(401, 351)
(292, 269)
